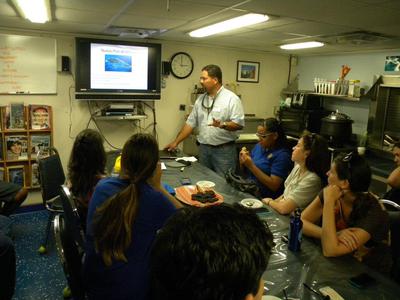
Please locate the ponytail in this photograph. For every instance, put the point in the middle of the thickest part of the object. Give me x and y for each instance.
(112, 224)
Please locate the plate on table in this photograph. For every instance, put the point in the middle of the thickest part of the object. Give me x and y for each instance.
(268, 297)
(184, 193)
(251, 203)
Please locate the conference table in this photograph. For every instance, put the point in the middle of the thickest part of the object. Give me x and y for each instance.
(289, 270)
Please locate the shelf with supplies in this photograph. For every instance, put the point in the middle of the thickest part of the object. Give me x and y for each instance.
(344, 97)
(24, 131)
(121, 117)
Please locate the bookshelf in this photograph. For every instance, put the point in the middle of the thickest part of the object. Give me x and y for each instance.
(24, 131)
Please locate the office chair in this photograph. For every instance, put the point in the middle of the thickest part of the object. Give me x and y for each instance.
(51, 176)
(71, 258)
(394, 218)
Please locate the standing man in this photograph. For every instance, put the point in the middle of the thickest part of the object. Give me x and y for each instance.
(394, 178)
(218, 114)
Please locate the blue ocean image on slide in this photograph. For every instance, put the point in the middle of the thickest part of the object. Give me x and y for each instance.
(118, 63)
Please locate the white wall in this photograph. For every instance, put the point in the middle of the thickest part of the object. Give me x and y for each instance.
(71, 116)
(365, 67)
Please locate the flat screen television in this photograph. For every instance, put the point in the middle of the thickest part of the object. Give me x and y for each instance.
(117, 70)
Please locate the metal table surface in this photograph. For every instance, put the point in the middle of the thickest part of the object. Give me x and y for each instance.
(289, 270)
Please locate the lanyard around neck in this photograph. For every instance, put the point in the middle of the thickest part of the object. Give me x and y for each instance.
(208, 108)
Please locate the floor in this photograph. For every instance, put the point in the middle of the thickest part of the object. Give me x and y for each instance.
(38, 276)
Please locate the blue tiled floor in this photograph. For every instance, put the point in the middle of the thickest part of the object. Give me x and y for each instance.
(38, 276)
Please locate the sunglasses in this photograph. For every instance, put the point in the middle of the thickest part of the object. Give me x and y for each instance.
(263, 136)
(347, 159)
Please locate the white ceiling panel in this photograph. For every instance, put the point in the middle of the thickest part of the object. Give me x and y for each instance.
(291, 21)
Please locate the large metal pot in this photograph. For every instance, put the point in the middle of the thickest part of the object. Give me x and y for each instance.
(337, 127)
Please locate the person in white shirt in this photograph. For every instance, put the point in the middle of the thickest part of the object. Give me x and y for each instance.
(312, 161)
(218, 115)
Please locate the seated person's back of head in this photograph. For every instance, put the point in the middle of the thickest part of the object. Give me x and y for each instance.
(217, 252)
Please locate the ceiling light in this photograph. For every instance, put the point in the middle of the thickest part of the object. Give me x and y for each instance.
(302, 45)
(238, 22)
(36, 11)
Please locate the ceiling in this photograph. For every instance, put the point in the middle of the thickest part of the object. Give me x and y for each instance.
(344, 25)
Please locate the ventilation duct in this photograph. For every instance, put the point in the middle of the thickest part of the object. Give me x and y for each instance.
(130, 32)
(358, 38)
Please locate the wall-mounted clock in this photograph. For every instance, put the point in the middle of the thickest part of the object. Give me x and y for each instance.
(181, 65)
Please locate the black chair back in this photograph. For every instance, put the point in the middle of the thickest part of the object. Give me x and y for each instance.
(70, 256)
(71, 216)
(51, 174)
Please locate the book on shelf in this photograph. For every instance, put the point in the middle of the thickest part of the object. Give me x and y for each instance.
(17, 147)
(14, 116)
(35, 175)
(2, 174)
(40, 116)
(39, 143)
(16, 175)
(1, 148)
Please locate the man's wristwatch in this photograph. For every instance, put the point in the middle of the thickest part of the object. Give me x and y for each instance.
(224, 125)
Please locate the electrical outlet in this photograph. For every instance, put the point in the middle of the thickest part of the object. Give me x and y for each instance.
(182, 107)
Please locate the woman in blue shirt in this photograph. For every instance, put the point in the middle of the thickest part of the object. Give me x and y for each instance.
(124, 216)
(269, 163)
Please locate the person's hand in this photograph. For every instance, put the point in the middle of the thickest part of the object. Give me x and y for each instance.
(215, 123)
(332, 194)
(155, 180)
(245, 159)
(348, 238)
(244, 151)
(171, 147)
(267, 200)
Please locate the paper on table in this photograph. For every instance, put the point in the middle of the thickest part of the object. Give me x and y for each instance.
(163, 166)
(187, 158)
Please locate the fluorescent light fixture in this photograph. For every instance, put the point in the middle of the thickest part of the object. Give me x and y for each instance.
(238, 22)
(302, 45)
(36, 11)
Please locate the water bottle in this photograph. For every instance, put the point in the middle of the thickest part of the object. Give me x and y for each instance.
(295, 231)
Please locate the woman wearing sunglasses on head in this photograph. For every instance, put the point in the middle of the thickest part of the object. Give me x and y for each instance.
(311, 158)
(353, 220)
(269, 162)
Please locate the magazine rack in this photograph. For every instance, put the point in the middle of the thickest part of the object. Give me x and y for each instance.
(24, 130)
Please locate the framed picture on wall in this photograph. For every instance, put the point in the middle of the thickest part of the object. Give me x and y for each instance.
(392, 64)
(247, 71)
(16, 175)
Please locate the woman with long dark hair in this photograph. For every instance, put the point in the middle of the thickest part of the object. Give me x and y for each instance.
(85, 168)
(123, 218)
(353, 220)
(269, 162)
(311, 158)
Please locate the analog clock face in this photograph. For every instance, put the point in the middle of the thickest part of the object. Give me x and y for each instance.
(181, 65)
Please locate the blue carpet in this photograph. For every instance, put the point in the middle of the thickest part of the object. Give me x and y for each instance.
(39, 277)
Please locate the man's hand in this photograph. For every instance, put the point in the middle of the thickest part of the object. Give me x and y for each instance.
(215, 123)
(171, 147)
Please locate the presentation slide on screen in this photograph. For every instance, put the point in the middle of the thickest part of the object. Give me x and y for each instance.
(118, 67)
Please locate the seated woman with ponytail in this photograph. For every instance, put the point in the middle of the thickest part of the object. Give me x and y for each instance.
(353, 220)
(124, 216)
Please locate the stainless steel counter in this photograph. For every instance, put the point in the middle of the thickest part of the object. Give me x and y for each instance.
(289, 270)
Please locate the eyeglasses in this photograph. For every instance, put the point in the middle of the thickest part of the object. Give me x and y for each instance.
(263, 136)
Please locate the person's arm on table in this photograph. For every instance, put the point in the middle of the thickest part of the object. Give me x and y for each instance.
(282, 205)
(310, 216)
(155, 182)
(331, 244)
(394, 178)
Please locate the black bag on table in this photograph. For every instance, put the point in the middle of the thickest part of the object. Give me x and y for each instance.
(242, 184)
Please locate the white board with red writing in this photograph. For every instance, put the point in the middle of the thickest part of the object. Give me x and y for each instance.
(28, 65)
